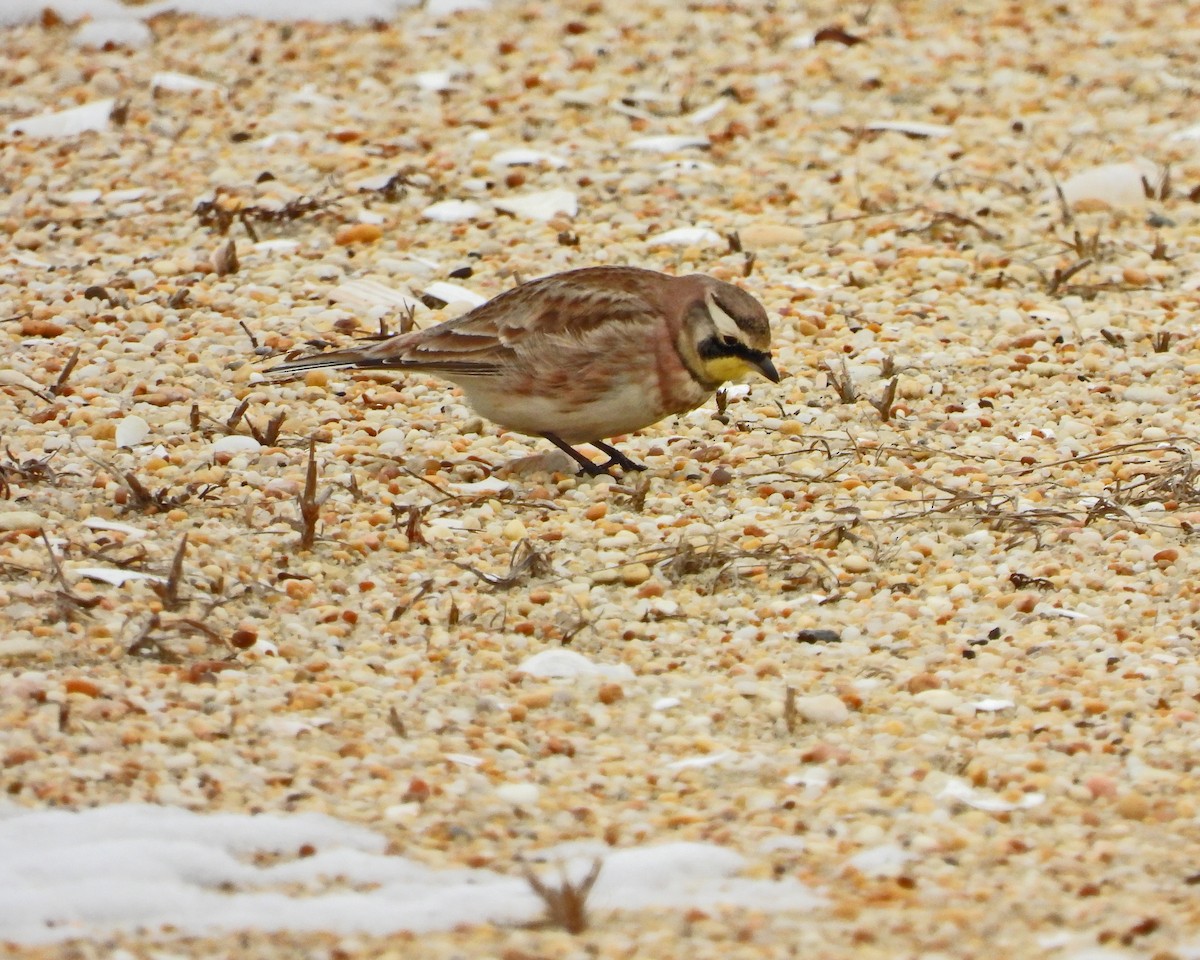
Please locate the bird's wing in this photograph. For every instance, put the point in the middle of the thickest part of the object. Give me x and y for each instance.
(523, 325)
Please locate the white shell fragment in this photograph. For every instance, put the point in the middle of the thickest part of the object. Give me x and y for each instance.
(277, 245)
(453, 293)
(668, 143)
(486, 486)
(435, 81)
(235, 444)
(567, 664)
(367, 294)
(114, 576)
(1187, 133)
(519, 794)
(886, 860)
(686, 237)
(377, 181)
(83, 196)
(913, 128)
(695, 763)
(453, 211)
(992, 705)
(1116, 184)
(963, 792)
(184, 83)
(65, 123)
(113, 526)
(129, 194)
(131, 431)
(543, 205)
(523, 156)
(708, 111)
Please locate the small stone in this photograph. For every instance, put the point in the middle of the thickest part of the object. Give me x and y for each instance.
(31, 327)
(940, 701)
(20, 520)
(357, 233)
(818, 636)
(515, 530)
(1133, 806)
(856, 563)
(610, 693)
(634, 574)
(921, 682)
(537, 699)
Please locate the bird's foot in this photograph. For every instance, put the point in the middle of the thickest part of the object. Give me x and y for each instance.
(615, 457)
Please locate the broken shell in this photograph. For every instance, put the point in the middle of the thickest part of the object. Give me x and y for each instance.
(544, 205)
(1116, 184)
(453, 293)
(914, 128)
(568, 664)
(668, 143)
(115, 576)
(686, 237)
(372, 295)
(453, 211)
(65, 123)
(173, 82)
(131, 431)
(235, 444)
(522, 156)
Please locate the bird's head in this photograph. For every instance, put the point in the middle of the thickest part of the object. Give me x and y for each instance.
(726, 334)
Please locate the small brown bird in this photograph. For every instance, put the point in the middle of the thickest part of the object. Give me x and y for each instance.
(581, 356)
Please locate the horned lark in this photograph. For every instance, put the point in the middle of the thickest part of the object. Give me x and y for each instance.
(582, 356)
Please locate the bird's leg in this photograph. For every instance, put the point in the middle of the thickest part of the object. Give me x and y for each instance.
(616, 458)
(592, 469)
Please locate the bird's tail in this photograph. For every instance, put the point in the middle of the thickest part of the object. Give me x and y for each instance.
(319, 361)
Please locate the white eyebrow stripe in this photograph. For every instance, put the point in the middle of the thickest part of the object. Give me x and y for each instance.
(725, 324)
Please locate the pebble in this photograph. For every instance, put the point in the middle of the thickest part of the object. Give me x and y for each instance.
(21, 520)
(941, 701)
(633, 574)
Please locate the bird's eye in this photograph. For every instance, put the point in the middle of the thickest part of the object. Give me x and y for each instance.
(729, 341)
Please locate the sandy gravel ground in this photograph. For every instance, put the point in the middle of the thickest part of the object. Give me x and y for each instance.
(928, 607)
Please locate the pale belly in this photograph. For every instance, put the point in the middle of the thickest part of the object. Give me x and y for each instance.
(623, 408)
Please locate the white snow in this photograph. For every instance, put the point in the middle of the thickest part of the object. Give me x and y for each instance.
(92, 873)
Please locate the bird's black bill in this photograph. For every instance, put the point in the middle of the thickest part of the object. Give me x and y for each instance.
(767, 368)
